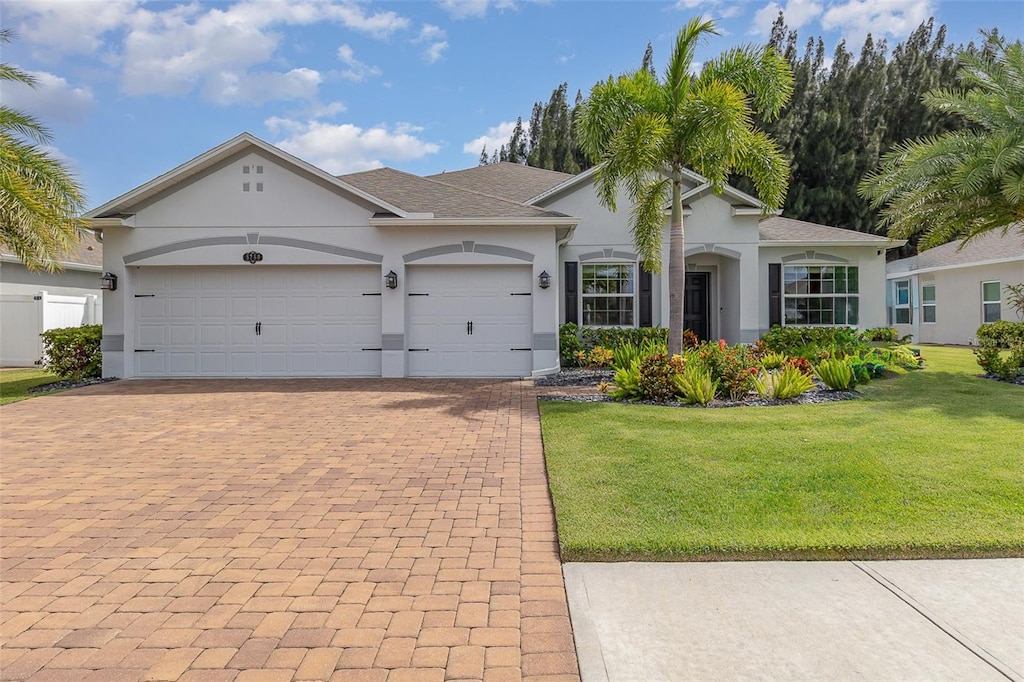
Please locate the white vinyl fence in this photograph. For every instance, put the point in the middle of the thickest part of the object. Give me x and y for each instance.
(23, 317)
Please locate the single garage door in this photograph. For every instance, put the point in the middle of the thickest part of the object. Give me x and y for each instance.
(470, 321)
(257, 321)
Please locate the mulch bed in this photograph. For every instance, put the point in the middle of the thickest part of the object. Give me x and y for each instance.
(68, 383)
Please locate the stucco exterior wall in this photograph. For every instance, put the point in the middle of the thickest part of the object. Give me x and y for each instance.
(958, 301)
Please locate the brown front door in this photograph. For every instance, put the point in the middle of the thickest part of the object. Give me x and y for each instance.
(697, 304)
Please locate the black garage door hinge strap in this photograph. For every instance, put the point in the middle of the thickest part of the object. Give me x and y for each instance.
(526, 293)
(412, 294)
(376, 294)
(380, 349)
(145, 295)
(145, 350)
(520, 349)
(418, 350)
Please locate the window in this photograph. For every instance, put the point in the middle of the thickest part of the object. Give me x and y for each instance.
(990, 302)
(901, 302)
(928, 303)
(821, 295)
(608, 294)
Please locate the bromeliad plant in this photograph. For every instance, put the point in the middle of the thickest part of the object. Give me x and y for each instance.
(782, 384)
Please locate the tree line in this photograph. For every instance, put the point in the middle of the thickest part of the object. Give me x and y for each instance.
(846, 112)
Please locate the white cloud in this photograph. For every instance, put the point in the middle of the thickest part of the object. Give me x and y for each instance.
(463, 9)
(61, 27)
(798, 13)
(856, 18)
(430, 33)
(435, 51)
(347, 148)
(565, 58)
(52, 98)
(252, 89)
(357, 71)
(176, 49)
(492, 139)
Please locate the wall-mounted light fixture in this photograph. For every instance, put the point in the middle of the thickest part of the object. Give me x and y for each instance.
(108, 282)
(391, 280)
(544, 279)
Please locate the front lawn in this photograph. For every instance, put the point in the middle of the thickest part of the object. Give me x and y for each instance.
(14, 383)
(926, 465)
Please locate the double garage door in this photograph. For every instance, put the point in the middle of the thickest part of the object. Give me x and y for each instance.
(258, 321)
(326, 321)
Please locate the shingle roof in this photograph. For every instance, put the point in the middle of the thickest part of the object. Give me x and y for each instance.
(422, 195)
(987, 247)
(779, 229)
(512, 181)
(88, 251)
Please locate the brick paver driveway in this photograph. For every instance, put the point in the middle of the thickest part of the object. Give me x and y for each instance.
(280, 530)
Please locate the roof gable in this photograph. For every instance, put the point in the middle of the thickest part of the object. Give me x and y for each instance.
(129, 202)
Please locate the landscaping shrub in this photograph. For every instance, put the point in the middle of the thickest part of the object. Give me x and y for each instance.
(773, 360)
(1001, 349)
(73, 352)
(1003, 333)
(733, 367)
(628, 352)
(695, 385)
(880, 334)
(612, 337)
(595, 358)
(836, 373)
(658, 374)
(782, 384)
(813, 343)
(627, 383)
(569, 343)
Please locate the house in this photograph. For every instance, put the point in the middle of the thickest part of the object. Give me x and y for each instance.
(247, 261)
(34, 302)
(943, 294)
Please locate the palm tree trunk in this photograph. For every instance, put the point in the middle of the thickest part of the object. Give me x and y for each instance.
(676, 269)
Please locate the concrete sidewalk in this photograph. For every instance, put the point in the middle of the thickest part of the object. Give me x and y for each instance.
(874, 620)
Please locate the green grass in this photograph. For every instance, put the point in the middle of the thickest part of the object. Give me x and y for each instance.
(14, 383)
(927, 465)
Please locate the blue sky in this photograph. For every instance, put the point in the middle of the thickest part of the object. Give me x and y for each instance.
(132, 89)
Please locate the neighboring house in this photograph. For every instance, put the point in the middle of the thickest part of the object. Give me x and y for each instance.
(34, 302)
(247, 261)
(942, 295)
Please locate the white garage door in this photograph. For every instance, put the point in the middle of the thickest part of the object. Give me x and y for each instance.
(470, 321)
(257, 321)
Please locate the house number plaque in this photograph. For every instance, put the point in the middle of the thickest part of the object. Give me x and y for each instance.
(252, 257)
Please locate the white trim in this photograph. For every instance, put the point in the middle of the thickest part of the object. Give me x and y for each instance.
(887, 243)
(474, 222)
(564, 185)
(997, 301)
(635, 296)
(897, 306)
(750, 210)
(206, 159)
(937, 268)
(833, 295)
(932, 304)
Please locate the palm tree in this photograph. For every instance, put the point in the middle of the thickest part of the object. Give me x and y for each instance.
(964, 183)
(645, 131)
(39, 199)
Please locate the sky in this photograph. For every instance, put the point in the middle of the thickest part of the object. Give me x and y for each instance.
(132, 89)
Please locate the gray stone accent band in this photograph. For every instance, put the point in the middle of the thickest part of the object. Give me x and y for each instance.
(112, 342)
(432, 251)
(494, 250)
(545, 341)
(181, 246)
(322, 248)
(253, 237)
(469, 247)
(392, 341)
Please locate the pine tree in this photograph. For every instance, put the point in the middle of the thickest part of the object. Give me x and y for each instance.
(648, 60)
(483, 157)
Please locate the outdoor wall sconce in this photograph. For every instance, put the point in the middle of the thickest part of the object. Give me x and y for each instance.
(544, 279)
(108, 282)
(391, 280)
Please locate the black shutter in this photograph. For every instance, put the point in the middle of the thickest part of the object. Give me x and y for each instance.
(572, 284)
(646, 305)
(774, 294)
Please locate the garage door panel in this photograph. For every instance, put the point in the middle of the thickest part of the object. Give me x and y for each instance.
(482, 295)
(314, 321)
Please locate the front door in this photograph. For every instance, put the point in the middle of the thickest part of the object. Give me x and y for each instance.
(697, 304)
